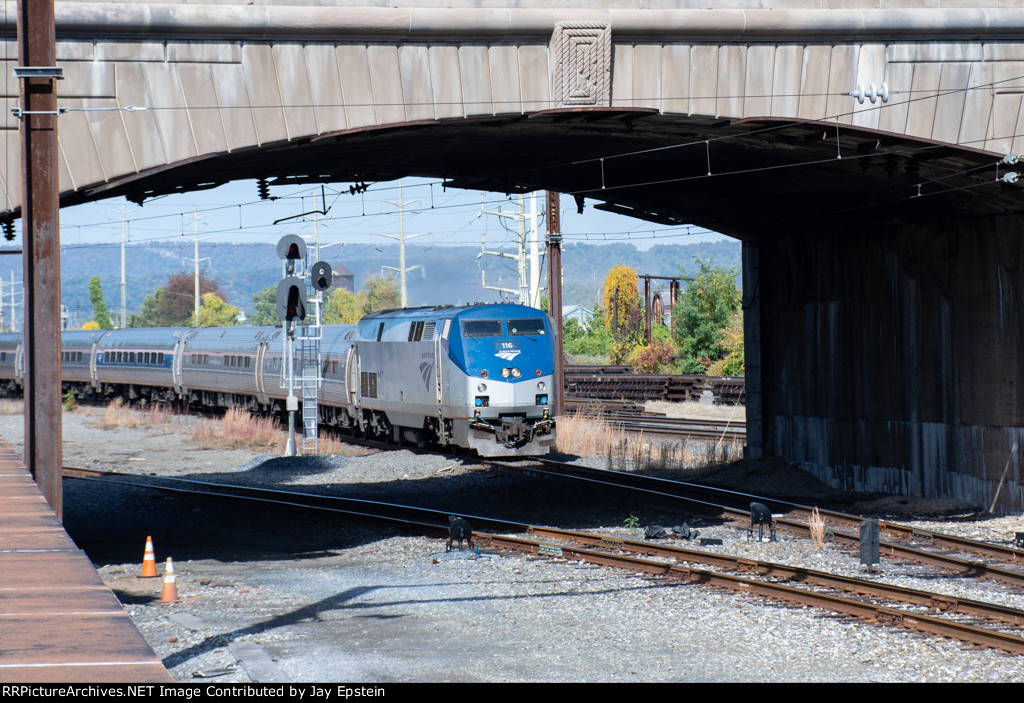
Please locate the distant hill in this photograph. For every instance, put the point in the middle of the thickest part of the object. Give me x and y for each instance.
(451, 275)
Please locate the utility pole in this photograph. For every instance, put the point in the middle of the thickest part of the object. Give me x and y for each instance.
(534, 254)
(124, 285)
(196, 260)
(13, 324)
(529, 285)
(402, 236)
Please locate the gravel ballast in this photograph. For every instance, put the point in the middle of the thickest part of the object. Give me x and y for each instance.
(276, 594)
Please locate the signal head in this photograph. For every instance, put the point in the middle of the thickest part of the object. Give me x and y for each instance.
(321, 275)
(291, 299)
(291, 248)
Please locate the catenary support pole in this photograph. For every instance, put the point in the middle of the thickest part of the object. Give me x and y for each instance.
(555, 295)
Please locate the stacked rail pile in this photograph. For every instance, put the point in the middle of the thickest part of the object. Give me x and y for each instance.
(621, 383)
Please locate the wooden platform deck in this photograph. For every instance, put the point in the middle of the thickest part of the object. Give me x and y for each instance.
(58, 622)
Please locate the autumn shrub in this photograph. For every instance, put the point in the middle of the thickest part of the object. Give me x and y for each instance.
(621, 351)
(654, 358)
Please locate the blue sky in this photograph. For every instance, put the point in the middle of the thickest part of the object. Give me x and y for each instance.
(234, 214)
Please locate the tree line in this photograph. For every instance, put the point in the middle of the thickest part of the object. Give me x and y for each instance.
(706, 333)
(173, 304)
(705, 337)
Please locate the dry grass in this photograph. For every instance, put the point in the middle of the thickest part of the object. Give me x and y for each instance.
(330, 444)
(12, 407)
(118, 414)
(586, 434)
(817, 527)
(239, 430)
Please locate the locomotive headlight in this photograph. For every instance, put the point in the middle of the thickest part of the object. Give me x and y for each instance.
(516, 373)
(505, 373)
(540, 385)
(481, 387)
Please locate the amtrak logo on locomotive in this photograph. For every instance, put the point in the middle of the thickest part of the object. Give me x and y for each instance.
(426, 371)
(507, 350)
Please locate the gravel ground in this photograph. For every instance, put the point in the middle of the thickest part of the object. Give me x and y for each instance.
(278, 595)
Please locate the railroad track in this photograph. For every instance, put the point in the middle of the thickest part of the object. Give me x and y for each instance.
(731, 431)
(901, 607)
(632, 417)
(975, 622)
(901, 541)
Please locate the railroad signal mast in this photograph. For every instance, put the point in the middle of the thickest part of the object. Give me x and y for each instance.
(293, 301)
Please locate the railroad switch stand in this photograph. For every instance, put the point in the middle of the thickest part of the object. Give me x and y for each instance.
(870, 551)
(760, 516)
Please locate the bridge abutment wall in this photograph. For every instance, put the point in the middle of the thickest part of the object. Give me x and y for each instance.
(892, 360)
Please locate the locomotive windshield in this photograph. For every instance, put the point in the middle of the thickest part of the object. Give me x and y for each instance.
(481, 328)
(523, 328)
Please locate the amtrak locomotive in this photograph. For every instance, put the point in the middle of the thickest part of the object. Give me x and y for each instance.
(478, 376)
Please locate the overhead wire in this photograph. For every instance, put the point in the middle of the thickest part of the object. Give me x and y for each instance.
(383, 188)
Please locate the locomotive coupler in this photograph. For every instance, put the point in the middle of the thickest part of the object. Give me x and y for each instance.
(513, 433)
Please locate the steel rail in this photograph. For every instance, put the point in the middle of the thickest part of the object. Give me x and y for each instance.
(867, 611)
(678, 490)
(678, 426)
(874, 589)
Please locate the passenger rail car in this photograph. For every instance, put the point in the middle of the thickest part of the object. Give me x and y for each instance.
(478, 377)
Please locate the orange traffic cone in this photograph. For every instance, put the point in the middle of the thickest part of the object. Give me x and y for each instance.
(170, 592)
(149, 561)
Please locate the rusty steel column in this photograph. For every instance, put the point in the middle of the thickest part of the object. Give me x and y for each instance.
(554, 241)
(40, 230)
(647, 309)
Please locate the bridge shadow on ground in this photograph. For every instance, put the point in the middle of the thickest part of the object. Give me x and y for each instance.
(110, 521)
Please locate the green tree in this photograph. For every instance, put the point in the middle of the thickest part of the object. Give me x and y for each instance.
(266, 307)
(99, 307)
(733, 363)
(704, 310)
(214, 312)
(343, 308)
(585, 341)
(173, 305)
(381, 294)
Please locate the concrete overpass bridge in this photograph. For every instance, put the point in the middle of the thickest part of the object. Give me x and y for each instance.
(882, 247)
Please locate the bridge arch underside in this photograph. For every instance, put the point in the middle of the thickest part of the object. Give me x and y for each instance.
(884, 292)
(884, 299)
